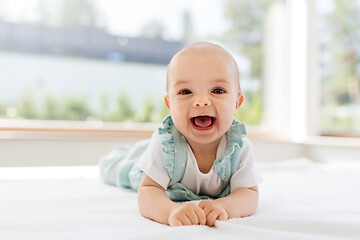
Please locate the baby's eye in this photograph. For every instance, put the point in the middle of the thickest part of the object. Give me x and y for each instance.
(185, 92)
(218, 91)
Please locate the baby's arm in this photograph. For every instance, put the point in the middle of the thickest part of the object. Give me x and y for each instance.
(240, 203)
(156, 205)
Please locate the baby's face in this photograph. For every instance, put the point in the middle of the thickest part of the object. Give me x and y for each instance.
(203, 94)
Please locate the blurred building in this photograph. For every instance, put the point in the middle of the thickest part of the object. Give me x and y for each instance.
(85, 42)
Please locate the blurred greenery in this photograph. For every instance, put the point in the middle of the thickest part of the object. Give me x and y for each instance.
(250, 110)
(245, 35)
(51, 110)
(76, 108)
(25, 106)
(149, 111)
(3, 108)
(69, 13)
(246, 31)
(340, 71)
(124, 108)
(154, 29)
(78, 13)
(188, 26)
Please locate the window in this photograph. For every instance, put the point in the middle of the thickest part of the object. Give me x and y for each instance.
(339, 66)
(105, 60)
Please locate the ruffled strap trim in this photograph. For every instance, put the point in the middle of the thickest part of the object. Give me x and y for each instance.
(168, 145)
(228, 165)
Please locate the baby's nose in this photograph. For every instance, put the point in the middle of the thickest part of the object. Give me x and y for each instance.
(202, 101)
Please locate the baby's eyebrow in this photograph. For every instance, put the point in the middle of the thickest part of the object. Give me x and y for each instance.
(180, 82)
(223, 81)
(217, 81)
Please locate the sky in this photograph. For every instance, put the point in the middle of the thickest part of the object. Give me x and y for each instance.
(125, 17)
(130, 16)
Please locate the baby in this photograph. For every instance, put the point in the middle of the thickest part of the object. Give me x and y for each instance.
(198, 167)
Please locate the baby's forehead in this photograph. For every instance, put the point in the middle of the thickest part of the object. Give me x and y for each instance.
(201, 52)
(202, 49)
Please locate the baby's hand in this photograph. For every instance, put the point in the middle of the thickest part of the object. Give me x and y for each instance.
(213, 211)
(187, 214)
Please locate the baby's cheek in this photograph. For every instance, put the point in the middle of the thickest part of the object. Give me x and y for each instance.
(179, 120)
(227, 109)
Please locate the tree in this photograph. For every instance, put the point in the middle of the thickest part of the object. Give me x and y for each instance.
(105, 113)
(188, 26)
(163, 111)
(26, 106)
(3, 108)
(45, 11)
(1, 10)
(343, 82)
(250, 110)
(246, 32)
(75, 108)
(341, 74)
(245, 35)
(149, 110)
(153, 29)
(82, 13)
(51, 109)
(125, 110)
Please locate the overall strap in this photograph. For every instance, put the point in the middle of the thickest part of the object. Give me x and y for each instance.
(180, 155)
(173, 145)
(228, 164)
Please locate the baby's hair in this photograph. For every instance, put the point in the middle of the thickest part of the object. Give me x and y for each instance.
(204, 45)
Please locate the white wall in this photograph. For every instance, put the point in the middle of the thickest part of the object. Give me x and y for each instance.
(87, 149)
(61, 149)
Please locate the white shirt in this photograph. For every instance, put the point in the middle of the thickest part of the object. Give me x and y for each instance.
(209, 184)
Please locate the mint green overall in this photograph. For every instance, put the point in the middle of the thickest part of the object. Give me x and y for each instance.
(119, 166)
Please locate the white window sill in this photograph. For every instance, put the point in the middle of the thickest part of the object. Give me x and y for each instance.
(333, 141)
(74, 130)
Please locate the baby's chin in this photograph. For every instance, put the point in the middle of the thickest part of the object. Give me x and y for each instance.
(202, 137)
(204, 142)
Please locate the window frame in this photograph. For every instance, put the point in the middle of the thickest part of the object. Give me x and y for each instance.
(304, 96)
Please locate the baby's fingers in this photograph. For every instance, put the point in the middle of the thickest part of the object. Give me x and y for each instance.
(200, 215)
(196, 215)
(185, 220)
(211, 218)
(179, 221)
(203, 204)
(222, 217)
(206, 207)
(192, 216)
(175, 222)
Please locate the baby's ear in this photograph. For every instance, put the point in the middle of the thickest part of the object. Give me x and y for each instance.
(240, 99)
(167, 102)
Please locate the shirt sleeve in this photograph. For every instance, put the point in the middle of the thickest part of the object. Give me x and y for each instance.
(152, 163)
(247, 176)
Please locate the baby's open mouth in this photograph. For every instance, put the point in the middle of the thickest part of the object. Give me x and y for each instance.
(203, 122)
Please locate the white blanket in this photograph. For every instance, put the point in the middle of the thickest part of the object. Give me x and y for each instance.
(299, 199)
